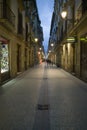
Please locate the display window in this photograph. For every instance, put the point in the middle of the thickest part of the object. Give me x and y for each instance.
(4, 57)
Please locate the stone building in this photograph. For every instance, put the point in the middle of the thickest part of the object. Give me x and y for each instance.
(71, 45)
(19, 25)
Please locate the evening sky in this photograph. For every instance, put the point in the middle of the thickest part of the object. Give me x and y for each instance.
(45, 10)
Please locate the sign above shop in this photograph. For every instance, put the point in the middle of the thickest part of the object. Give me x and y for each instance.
(71, 39)
(84, 39)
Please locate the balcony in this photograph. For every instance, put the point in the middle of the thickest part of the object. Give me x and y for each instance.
(21, 33)
(7, 17)
(79, 21)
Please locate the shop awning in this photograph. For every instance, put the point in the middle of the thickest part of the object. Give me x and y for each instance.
(5, 41)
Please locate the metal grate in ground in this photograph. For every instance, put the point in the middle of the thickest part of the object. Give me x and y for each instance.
(43, 106)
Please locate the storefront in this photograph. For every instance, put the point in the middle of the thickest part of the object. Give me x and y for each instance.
(83, 41)
(4, 59)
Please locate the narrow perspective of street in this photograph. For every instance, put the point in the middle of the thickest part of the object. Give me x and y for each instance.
(44, 98)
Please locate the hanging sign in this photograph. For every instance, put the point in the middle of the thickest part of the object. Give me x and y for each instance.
(84, 39)
(71, 39)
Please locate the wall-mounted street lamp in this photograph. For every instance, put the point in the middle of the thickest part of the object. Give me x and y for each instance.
(36, 39)
(52, 44)
(49, 51)
(40, 48)
(64, 16)
(64, 13)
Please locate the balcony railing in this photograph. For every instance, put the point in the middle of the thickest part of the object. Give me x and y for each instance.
(6, 14)
(81, 11)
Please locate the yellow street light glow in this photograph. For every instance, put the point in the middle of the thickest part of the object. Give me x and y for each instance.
(49, 50)
(38, 52)
(36, 39)
(52, 44)
(64, 14)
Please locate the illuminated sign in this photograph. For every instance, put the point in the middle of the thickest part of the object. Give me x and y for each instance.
(71, 39)
(83, 39)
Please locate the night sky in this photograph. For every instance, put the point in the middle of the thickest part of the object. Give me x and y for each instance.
(45, 10)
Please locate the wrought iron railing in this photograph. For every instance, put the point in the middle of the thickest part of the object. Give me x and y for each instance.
(81, 11)
(6, 13)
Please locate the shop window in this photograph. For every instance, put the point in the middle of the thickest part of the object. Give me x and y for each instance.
(4, 57)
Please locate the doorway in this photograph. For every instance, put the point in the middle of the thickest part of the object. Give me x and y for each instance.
(83, 61)
(18, 58)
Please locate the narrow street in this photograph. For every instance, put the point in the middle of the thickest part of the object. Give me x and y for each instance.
(44, 98)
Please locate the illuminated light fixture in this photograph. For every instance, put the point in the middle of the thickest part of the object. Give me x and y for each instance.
(52, 44)
(64, 11)
(83, 39)
(64, 14)
(40, 48)
(39, 52)
(49, 51)
(36, 39)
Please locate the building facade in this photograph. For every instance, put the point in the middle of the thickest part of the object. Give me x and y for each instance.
(71, 33)
(19, 24)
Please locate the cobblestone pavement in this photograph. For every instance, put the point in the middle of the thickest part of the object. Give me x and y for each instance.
(44, 98)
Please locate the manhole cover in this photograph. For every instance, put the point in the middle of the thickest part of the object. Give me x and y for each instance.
(43, 107)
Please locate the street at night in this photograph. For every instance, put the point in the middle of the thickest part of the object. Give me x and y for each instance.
(44, 98)
(43, 64)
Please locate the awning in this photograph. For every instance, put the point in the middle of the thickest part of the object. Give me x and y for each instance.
(5, 41)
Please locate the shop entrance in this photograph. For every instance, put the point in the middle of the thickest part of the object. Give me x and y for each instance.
(25, 59)
(84, 60)
(18, 58)
(4, 59)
